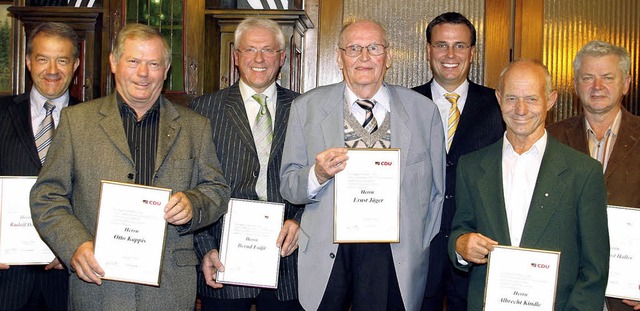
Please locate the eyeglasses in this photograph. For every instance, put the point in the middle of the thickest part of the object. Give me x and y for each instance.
(254, 51)
(355, 50)
(457, 47)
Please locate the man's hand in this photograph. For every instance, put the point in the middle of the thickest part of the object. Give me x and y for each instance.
(474, 247)
(178, 210)
(85, 264)
(288, 237)
(210, 265)
(54, 264)
(633, 303)
(329, 163)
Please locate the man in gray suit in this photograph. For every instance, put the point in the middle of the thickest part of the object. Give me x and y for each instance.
(363, 276)
(251, 167)
(132, 136)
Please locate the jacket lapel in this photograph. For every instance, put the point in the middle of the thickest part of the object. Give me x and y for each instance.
(332, 122)
(492, 193)
(400, 133)
(546, 195)
(20, 111)
(237, 116)
(625, 142)
(168, 131)
(111, 124)
(281, 120)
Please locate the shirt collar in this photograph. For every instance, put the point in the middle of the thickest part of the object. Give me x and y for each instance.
(382, 97)
(246, 91)
(614, 127)
(536, 150)
(438, 91)
(125, 108)
(37, 102)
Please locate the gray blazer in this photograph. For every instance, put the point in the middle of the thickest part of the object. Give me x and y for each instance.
(316, 124)
(90, 145)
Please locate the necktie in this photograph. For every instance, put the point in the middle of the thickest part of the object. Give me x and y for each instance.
(45, 132)
(454, 117)
(370, 124)
(263, 135)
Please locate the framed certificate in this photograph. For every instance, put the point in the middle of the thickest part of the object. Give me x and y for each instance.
(367, 197)
(131, 231)
(248, 247)
(521, 279)
(624, 275)
(20, 243)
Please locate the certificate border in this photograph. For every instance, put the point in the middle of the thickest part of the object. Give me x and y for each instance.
(524, 249)
(335, 233)
(627, 208)
(31, 263)
(223, 237)
(164, 239)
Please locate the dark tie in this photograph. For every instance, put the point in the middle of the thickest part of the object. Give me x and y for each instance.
(45, 132)
(370, 124)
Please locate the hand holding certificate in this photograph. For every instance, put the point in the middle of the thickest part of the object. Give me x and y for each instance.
(131, 232)
(367, 197)
(248, 248)
(20, 243)
(521, 279)
(624, 275)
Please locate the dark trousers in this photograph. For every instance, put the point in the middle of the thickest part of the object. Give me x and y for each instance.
(363, 278)
(444, 281)
(265, 301)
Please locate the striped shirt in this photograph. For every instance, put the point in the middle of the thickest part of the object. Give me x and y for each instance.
(142, 137)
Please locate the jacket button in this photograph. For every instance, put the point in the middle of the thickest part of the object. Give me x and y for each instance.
(255, 174)
(130, 176)
(449, 196)
(332, 255)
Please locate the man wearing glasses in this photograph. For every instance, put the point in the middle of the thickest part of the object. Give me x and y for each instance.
(471, 120)
(363, 112)
(249, 121)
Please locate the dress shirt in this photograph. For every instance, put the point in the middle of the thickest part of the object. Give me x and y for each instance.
(519, 176)
(382, 106)
(37, 108)
(253, 107)
(601, 149)
(437, 92)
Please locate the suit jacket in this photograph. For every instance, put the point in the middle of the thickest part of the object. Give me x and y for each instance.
(90, 145)
(316, 123)
(19, 157)
(239, 159)
(567, 214)
(622, 175)
(480, 125)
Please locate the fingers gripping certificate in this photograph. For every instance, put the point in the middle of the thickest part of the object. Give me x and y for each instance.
(521, 279)
(624, 275)
(248, 248)
(131, 231)
(20, 243)
(367, 197)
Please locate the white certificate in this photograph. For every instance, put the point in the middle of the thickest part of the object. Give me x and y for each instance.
(624, 274)
(248, 248)
(131, 232)
(367, 197)
(20, 243)
(521, 279)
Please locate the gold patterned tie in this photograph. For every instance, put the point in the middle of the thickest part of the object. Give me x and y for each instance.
(45, 132)
(262, 135)
(454, 117)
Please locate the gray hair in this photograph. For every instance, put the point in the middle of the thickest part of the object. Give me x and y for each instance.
(599, 48)
(344, 28)
(253, 22)
(140, 32)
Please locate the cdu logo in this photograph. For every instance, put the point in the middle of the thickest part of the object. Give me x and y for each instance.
(383, 163)
(150, 202)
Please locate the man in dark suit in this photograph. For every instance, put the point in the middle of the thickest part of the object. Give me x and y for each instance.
(133, 136)
(528, 190)
(52, 58)
(252, 173)
(451, 40)
(605, 129)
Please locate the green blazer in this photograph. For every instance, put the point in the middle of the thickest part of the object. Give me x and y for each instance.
(567, 214)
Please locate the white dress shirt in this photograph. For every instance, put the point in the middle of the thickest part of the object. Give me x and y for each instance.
(253, 107)
(437, 94)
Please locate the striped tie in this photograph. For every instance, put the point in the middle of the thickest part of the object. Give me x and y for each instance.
(262, 135)
(454, 117)
(45, 132)
(370, 124)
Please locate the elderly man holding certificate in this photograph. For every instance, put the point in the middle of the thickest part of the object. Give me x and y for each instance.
(530, 191)
(133, 137)
(382, 124)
